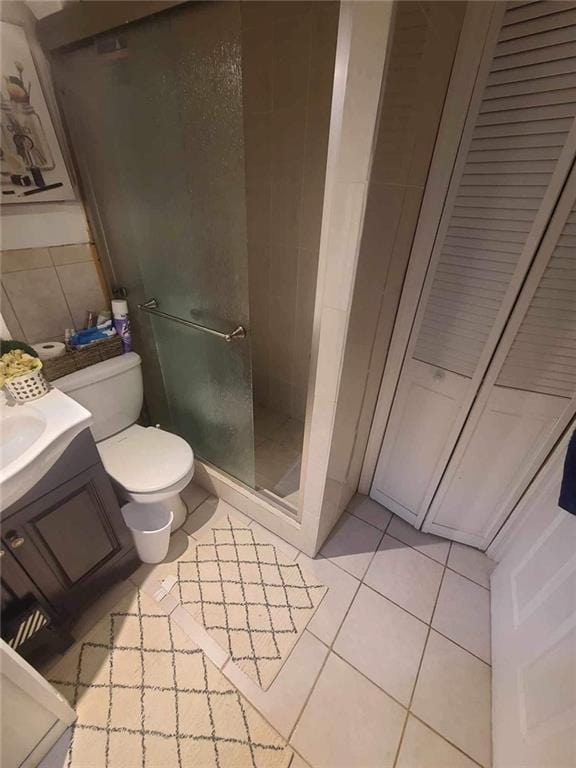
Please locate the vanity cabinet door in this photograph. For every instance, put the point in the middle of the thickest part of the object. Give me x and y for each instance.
(71, 540)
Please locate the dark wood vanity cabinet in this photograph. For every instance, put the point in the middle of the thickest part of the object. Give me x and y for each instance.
(65, 540)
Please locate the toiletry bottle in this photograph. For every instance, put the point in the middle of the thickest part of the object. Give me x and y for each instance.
(122, 322)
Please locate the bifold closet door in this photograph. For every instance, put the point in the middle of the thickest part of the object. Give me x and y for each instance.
(527, 399)
(515, 153)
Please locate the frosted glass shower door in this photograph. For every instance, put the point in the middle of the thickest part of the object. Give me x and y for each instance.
(155, 114)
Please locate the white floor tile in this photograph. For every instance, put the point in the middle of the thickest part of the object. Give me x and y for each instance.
(370, 511)
(271, 538)
(384, 642)
(341, 590)
(193, 495)
(422, 748)
(200, 637)
(407, 577)
(210, 513)
(453, 696)
(463, 614)
(352, 544)
(283, 702)
(427, 543)
(472, 563)
(348, 722)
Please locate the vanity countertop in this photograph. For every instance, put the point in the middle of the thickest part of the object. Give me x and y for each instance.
(33, 435)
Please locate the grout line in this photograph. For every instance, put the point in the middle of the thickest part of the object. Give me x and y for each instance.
(467, 577)
(434, 560)
(411, 700)
(371, 524)
(323, 664)
(444, 738)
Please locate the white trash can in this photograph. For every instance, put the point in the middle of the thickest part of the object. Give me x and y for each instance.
(150, 526)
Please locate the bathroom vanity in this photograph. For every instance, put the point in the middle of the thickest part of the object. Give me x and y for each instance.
(64, 541)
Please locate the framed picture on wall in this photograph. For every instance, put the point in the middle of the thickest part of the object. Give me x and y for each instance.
(32, 168)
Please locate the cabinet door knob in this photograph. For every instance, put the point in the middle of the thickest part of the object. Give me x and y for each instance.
(15, 541)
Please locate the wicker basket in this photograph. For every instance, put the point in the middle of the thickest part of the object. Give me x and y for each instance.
(76, 359)
(27, 386)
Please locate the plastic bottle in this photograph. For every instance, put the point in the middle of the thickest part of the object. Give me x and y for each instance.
(122, 322)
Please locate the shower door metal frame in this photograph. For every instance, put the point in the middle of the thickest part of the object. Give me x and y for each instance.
(80, 21)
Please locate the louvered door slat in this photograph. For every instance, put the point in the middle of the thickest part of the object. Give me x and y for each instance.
(532, 73)
(491, 225)
(545, 84)
(541, 56)
(563, 18)
(512, 154)
(479, 233)
(521, 125)
(552, 126)
(519, 12)
(542, 357)
(544, 97)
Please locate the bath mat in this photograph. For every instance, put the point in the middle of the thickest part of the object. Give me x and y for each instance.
(248, 596)
(146, 696)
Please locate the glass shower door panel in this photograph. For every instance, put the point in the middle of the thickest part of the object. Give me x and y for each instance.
(165, 143)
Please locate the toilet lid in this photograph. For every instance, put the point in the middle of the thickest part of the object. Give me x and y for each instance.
(146, 459)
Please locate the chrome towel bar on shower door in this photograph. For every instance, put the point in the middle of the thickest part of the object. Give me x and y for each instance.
(151, 306)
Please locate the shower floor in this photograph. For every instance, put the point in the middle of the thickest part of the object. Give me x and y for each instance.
(278, 451)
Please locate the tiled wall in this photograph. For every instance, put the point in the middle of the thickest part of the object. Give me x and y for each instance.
(423, 46)
(46, 290)
(288, 63)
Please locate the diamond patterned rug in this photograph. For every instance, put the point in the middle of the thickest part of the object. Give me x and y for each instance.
(249, 597)
(146, 696)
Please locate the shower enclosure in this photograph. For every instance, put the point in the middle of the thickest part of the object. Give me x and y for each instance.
(201, 135)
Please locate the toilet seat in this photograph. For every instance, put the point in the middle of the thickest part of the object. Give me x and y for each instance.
(146, 460)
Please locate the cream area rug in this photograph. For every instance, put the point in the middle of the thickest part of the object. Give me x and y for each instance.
(146, 696)
(249, 597)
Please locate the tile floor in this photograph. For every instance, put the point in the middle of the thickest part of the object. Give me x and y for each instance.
(278, 451)
(393, 670)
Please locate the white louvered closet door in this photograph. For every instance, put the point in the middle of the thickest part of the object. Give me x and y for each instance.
(515, 154)
(527, 399)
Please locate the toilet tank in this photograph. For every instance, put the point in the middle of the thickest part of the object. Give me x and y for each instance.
(111, 391)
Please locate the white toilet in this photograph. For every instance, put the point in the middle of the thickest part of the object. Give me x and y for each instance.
(147, 464)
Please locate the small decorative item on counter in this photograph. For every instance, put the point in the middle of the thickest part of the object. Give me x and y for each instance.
(122, 322)
(88, 336)
(21, 374)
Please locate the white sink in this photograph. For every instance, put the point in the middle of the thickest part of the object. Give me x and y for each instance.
(33, 436)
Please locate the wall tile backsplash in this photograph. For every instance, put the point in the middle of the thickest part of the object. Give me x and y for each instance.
(46, 290)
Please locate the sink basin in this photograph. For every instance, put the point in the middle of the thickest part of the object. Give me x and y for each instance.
(33, 436)
(20, 428)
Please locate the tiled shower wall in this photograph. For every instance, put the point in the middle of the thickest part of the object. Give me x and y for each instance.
(46, 290)
(288, 51)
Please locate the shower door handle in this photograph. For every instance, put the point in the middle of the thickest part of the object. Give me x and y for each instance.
(151, 307)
